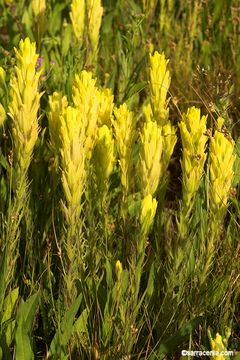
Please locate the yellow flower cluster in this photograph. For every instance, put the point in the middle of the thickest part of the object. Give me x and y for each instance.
(159, 85)
(72, 159)
(150, 158)
(217, 344)
(39, 10)
(124, 126)
(77, 16)
(103, 157)
(158, 136)
(38, 6)
(105, 98)
(76, 137)
(192, 129)
(95, 13)
(92, 11)
(85, 98)
(221, 160)
(157, 110)
(24, 105)
(58, 105)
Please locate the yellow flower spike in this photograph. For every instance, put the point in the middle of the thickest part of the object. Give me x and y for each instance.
(86, 100)
(103, 157)
(24, 105)
(77, 16)
(72, 160)
(150, 158)
(58, 105)
(106, 105)
(95, 13)
(39, 14)
(84, 89)
(147, 213)
(192, 130)
(3, 115)
(124, 126)
(159, 85)
(39, 7)
(221, 160)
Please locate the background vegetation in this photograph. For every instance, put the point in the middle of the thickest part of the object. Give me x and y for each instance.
(108, 247)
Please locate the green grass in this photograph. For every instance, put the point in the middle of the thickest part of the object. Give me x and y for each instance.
(158, 303)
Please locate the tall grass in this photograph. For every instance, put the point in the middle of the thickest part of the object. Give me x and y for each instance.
(119, 175)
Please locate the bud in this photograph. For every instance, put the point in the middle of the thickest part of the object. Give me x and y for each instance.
(220, 122)
(118, 270)
(147, 214)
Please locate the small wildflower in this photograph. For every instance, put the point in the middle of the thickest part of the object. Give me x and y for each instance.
(39, 63)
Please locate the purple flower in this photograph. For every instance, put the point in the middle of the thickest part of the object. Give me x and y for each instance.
(39, 63)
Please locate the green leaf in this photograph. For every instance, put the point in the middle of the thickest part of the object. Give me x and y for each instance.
(7, 322)
(63, 334)
(108, 268)
(171, 344)
(150, 285)
(66, 39)
(24, 322)
(8, 305)
(135, 89)
(218, 8)
(55, 20)
(80, 325)
(134, 203)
